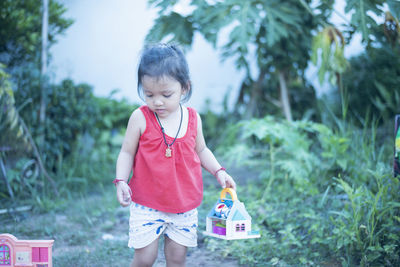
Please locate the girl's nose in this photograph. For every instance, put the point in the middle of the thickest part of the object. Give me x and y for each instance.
(158, 102)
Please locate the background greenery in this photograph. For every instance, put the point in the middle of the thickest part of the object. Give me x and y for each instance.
(321, 187)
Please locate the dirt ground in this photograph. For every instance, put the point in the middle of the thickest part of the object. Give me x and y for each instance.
(201, 257)
(93, 231)
(196, 257)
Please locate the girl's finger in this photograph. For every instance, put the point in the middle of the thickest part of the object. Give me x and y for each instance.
(130, 192)
(223, 182)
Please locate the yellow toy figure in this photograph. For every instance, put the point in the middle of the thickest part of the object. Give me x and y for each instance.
(228, 219)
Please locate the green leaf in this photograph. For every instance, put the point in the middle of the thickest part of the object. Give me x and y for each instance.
(360, 18)
(394, 7)
(176, 27)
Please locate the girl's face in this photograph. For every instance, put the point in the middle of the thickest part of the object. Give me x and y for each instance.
(162, 94)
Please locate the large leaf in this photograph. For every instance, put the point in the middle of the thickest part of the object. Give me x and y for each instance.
(328, 54)
(174, 26)
(361, 18)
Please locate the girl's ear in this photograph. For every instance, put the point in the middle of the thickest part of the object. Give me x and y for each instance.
(186, 92)
(186, 89)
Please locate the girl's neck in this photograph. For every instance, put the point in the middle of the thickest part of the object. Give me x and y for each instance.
(172, 121)
(173, 116)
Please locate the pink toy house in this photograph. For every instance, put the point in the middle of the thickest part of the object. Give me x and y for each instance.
(23, 253)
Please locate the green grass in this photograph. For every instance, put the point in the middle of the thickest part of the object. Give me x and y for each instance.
(324, 197)
(78, 227)
(79, 223)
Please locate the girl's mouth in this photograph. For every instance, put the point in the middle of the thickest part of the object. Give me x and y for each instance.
(160, 111)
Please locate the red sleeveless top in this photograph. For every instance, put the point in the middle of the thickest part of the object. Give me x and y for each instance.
(172, 184)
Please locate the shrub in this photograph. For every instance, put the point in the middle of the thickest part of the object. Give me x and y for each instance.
(324, 197)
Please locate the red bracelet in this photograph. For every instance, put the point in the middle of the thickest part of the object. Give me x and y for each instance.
(220, 169)
(117, 181)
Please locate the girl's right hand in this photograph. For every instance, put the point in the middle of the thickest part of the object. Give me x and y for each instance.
(225, 180)
(124, 194)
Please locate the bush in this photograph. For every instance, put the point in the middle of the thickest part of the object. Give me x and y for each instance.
(373, 84)
(324, 197)
(81, 137)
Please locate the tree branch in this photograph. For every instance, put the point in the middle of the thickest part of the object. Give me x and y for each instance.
(38, 158)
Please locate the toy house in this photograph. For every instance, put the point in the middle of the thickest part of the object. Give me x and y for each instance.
(228, 219)
(23, 253)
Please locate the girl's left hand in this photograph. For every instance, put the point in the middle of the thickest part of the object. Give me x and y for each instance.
(225, 180)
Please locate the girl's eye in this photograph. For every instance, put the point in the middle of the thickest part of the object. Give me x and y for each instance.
(149, 95)
(167, 95)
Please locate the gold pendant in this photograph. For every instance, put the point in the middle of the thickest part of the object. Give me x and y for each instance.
(168, 152)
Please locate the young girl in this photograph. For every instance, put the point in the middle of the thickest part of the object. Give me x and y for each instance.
(164, 147)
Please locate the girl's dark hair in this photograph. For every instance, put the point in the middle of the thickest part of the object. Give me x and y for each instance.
(164, 60)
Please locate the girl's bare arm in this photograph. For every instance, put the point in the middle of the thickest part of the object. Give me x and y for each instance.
(136, 125)
(208, 160)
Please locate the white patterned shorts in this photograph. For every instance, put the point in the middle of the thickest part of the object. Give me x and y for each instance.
(146, 225)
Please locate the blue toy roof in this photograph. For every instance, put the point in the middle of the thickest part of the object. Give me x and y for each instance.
(238, 216)
(238, 212)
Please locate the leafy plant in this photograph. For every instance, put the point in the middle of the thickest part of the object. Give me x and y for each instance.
(16, 140)
(12, 137)
(329, 43)
(378, 75)
(83, 135)
(365, 228)
(280, 32)
(305, 214)
(20, 25)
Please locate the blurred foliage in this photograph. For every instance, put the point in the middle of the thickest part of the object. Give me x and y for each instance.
(373, 84)
(276, 35)
(217, 126)
(82, 136)
(280, 37)
(368, 82)
(76, 106)
(13, 140)
(90, 161)
(330, 44)
(325, 195)
(13, 135)
(20, 29)
(71, 113)
(81, 133)
(114, 114)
